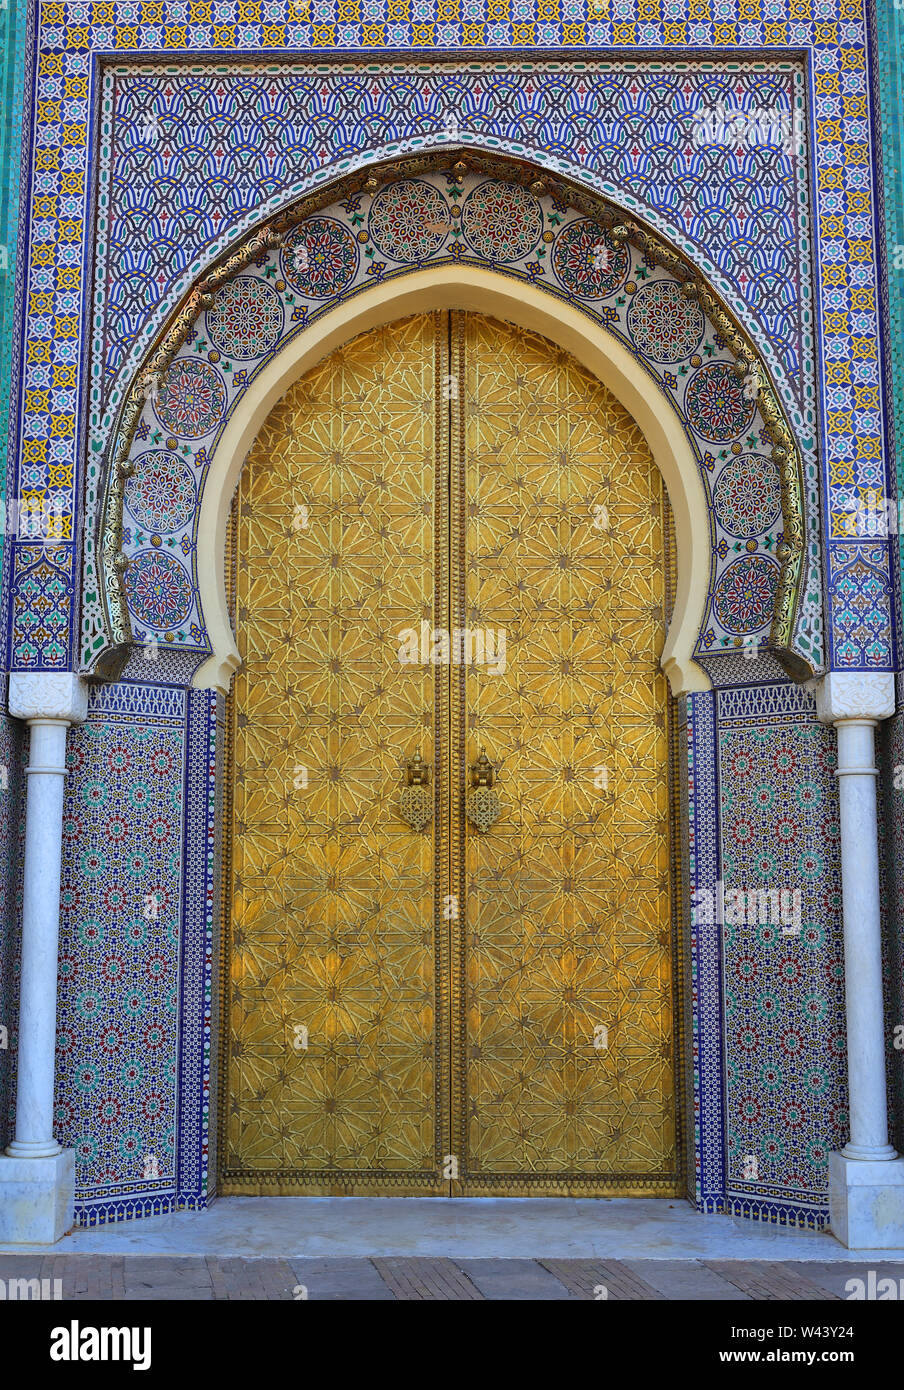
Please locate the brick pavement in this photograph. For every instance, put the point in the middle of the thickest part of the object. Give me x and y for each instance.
(161, 1277)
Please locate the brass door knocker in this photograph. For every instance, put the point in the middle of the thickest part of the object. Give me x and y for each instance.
(483, 805)
(416, 801)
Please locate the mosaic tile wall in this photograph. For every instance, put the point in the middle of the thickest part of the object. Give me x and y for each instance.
(424, 221)
(890, 83)
(705, 1054)
(12, 75)
(136, 951)
(244, 133)
(832, 33)
(138, 1007)
(189, 158)
(119, 951)
(137, 973)
(786, 1081)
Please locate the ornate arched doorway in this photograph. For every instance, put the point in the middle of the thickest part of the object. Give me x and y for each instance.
(692, 379)
(450, 537)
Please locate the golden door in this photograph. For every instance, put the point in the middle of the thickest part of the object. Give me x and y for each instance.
(450, 538)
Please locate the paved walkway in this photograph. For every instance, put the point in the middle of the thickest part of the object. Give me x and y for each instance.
(388, 1278)
(384, 1248)
(538, 1228)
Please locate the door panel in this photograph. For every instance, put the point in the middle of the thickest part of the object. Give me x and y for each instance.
(332, 895)
(563, 1067)
(421, 1013)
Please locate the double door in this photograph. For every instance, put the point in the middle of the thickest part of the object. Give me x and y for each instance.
(449, 539)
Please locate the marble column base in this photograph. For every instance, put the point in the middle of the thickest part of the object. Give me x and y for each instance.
(866, 1202)
(37, 1196)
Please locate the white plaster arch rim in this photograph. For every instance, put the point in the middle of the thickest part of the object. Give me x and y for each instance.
(480, 290)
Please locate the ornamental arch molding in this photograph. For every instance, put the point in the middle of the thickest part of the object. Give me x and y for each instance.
(484, 234)
(483, 291)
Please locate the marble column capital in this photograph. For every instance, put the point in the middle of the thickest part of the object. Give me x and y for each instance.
(56, 695)
(843, 695)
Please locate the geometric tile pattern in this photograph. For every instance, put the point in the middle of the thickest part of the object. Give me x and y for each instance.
(861, 603)
(239, 136)
(52, 296)
(119, 950)
(200, 930)
(705, 1059)
(42, 605)
(13, 24)
(757, 244)
(786, 1077)
(832, 32)
(138, 959)
(432, 219)
(215, 833)
(888, 99)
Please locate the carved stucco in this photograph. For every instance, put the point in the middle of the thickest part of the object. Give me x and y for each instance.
(855, 695)
(48, 695)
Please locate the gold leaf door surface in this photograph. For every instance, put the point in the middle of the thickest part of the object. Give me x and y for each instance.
(335, 1041)
(562, 1006)
(449, 1012)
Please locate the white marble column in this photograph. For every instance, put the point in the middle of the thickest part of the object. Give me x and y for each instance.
(37, 1177)
(866, 1179)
